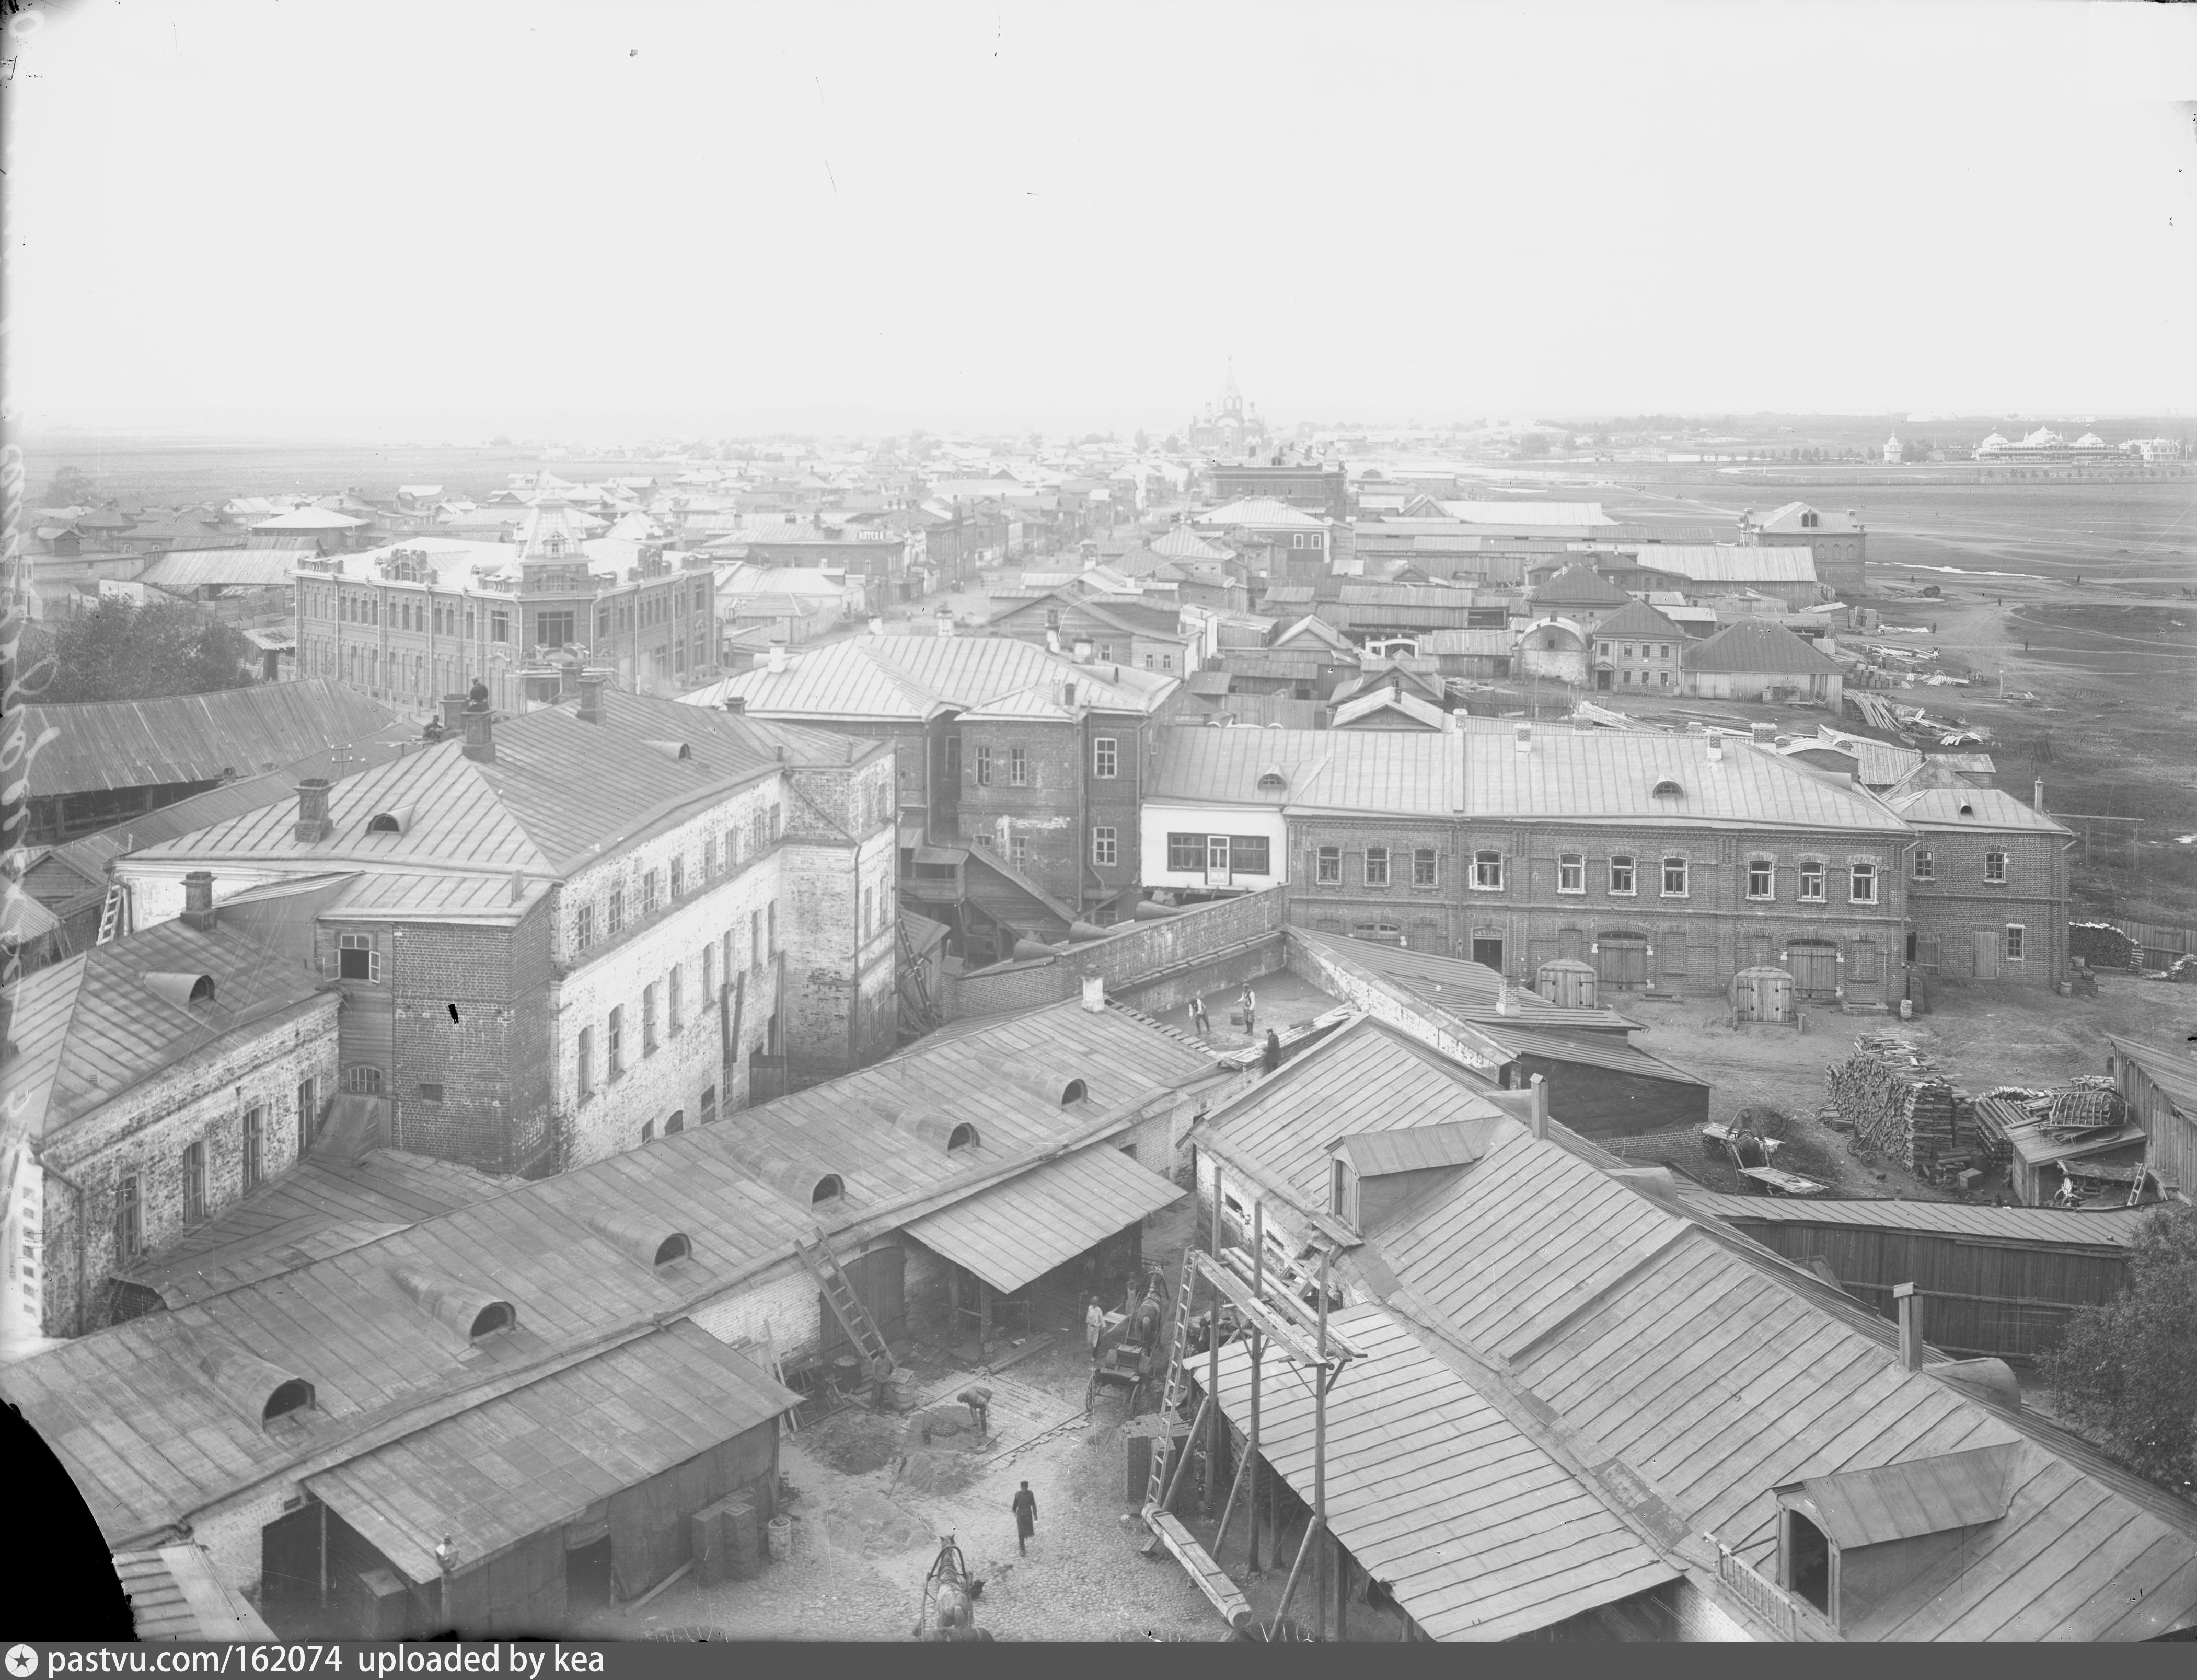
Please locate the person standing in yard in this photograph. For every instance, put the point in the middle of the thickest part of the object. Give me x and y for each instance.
(1249, 1004)
(1025, 1509)
(1197, 1016)
(1094, 1324)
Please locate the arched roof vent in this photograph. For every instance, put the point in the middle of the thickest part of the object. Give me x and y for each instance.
(181, 990)
(1272, 781)
(963, 1137)
(678, 749)
(262, 1391)
(806, 1184)
(933, 1127)
(650, 1241)
(1667, 789)
(1058, 1085)
(395, 821)
(472, 1313)
(1967, 809)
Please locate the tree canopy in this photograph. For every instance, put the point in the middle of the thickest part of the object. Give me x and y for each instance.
(72, 487)
(123, 651)
(2125, 1373)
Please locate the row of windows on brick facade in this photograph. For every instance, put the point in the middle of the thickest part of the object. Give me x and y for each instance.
(586, 929)
(191, 1171)
(1995, 865)
(1382, 867)
(552, 629)
(985, 765)
(670, 991)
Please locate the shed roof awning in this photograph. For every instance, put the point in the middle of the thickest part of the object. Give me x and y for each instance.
(945, 856)
(540, 1455)
(1016, 1232)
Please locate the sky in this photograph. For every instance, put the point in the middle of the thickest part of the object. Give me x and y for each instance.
(543, 218)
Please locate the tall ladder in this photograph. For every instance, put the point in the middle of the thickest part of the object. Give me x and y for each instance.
(1171, 1395)
(846, 1306)
(116, 916)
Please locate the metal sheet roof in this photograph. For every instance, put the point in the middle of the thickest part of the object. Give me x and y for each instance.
(1526, 513)
(1610, 775)
(1367, 1077)
(1715, 1374)
(914, 677)
(1755, 647)
(1988, 807)
(1732, 562)
(148, 1440)
(538, 1456)
(2040, 1227)
(194, 738)
(182, 570)
(1477, 1531)
(2172, 1071)
(1915, 1496)
(1416, 1149)
(1014, 1233)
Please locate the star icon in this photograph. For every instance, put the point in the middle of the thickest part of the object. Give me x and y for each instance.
(22, 1661)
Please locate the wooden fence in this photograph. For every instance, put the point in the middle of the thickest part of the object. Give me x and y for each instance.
(2154, 947)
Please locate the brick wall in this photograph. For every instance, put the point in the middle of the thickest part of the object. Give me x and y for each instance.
(1699, 1621)
(229, 1531)
(1960, 901)
(145, 1130)
(1056, 810)
(470, 1073)
(1152, 965)
(840, 1010)
(1699, 939)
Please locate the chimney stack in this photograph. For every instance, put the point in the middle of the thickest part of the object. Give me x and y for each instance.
(313, 822)
(1051, 640)
(737, 704)
(1539, 1088)
(198, 900)
(945, 622)
(1523, 735)
(2036, 799)
(591, 685)
(1094, 991)
(776, 663)
(1766, 734)
(1716, 746)
(454, 714)
(1910, 1325)
(480, 742)
(568, 677)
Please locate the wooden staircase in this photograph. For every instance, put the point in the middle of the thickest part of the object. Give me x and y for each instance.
(846, 1306)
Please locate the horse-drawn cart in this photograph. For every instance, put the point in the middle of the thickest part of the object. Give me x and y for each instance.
(949, 1598)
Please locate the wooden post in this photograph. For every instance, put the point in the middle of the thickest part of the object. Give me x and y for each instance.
(952, 1304)
(1320, 1457)
(1296, 1568)
(1342, 1591)
(1213, 1358)
(983, 1320)
(1258, 1354)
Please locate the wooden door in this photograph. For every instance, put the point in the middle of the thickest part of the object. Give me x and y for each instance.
(1986, 953)
(1622, 961)
(290, 1570)
(1489, 953)
(1814, 968)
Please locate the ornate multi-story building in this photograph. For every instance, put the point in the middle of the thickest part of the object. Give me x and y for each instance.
(428, 617)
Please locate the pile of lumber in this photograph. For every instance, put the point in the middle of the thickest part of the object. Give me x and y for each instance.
(1899, 1104)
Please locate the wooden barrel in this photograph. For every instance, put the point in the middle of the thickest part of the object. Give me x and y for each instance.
(779, 1536)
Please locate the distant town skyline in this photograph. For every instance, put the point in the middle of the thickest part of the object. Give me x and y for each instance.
(1393, 211)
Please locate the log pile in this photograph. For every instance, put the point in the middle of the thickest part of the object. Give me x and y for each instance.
(1900, 1105)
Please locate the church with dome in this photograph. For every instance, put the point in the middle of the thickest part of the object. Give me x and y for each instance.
(1227, 430)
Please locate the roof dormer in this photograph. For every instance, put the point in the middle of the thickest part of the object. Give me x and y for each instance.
(398, 819)
(472, 1313)
(182, 990)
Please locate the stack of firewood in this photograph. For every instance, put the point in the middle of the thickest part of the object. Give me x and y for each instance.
(1899, 1103)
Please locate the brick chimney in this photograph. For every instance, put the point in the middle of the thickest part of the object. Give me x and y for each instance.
(198, 900)
(1766, 734)
(1522, 734)
(454, 714)
(1910, 1325)
(945, 622)
(313, 822)
(2036, 799)
(776, 663)
(1716, 746)
(591, 685)
(480, 742)
(1094, 991)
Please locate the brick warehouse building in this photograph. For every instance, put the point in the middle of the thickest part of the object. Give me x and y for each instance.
(425, 617)
(1666, 860)
(580, 928)
(1986, 886)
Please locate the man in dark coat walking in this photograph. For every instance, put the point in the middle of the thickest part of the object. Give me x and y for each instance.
(1025, 1509)
(1271, 1057)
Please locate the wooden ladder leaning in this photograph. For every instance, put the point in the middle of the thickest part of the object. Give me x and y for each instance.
(846, 1306)
(117, 915)
(1156, 1486)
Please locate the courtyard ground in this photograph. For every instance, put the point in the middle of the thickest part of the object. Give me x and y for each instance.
(1980, 1035)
